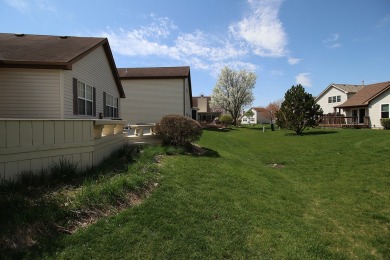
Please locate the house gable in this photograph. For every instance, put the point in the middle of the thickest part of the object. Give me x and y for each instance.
(93, 70)
(51, 52)
(334, 95)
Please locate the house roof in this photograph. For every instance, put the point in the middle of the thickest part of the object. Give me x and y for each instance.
(51, 52)
(157, 73)
(366, 94)
(154, 72)
(346, 88)
(259, 109)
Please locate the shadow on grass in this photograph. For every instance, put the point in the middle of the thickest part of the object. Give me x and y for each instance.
(313, 133)
(209, 153)
(215, 129)
(198, 151)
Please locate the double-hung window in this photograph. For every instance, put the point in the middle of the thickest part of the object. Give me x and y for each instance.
(334, 99)
(110, 105)
(84, 99)
(385, 111)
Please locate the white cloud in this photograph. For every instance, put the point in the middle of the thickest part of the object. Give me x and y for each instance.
(260, 32)
(136, 43)
(293, 61)
(195, 49)
(262, 29)
(385, 21)
(303, 79)
(25, 6)
(276, 73)
(332, 41)
(22, 6)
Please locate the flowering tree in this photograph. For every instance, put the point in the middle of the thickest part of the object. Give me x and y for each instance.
(233, 91)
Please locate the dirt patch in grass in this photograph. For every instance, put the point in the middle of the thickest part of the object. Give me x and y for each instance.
(276, 165)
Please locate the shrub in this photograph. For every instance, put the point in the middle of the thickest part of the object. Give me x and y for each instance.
(178, 130)
(385, 122)
(226, 120)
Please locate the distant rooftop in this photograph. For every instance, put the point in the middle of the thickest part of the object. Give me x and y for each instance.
(154, 72)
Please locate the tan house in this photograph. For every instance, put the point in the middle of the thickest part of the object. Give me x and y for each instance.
(336, 94)
(202, 111)
(154, 92)
(53, 90)
(369, 105)
(57, 77)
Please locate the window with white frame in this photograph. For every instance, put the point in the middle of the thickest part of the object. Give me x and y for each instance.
(334, 99)
(385, 111)
(111, 106)
(84, 99)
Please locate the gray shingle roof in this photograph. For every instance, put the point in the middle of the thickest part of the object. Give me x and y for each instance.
(348, 88)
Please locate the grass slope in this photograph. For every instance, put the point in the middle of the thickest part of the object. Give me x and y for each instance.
(329, 197)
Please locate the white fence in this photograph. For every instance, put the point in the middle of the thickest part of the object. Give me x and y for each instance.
(34, 144)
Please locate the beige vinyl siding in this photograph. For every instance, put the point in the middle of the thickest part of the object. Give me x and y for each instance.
(187, 98)
(29, 93)
(202, 105)
(329, 107)
(147, 100)
(94, 70)
(375, 109)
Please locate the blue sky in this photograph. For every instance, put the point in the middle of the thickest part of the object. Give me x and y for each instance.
(311, 42)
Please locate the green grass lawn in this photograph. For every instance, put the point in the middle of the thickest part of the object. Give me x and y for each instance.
(254, 195)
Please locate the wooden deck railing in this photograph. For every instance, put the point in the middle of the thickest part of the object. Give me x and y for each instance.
(343, 121)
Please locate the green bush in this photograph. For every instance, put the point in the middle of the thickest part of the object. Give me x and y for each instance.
(385, 122)
(226, 120)
(178, 130)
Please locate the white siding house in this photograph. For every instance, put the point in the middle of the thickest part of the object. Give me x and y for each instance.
(259, 117)
(335, 94)
(369, 105)
(154, 92)
(379, 108)
(57, 77)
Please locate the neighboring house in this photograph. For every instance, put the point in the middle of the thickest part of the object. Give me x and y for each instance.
(369, 105)
(155, 92)
(201, 110)
(57, 77)
(336, 94)
(260, 116)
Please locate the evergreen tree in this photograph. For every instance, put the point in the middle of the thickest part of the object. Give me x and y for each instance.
(298, 111)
